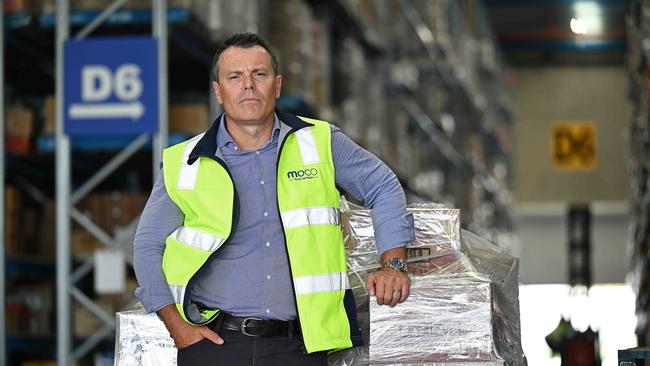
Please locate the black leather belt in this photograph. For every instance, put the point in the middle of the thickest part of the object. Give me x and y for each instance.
(255, 327)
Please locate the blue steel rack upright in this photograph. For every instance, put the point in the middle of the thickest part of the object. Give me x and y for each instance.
(65, 199)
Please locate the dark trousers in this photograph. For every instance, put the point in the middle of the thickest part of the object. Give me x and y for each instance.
(241, 350)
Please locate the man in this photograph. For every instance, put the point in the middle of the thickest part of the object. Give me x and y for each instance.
(239, 248)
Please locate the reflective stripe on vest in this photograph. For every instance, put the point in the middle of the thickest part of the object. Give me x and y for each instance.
(197, 239)
(310, 216)
(307, 146)
(177, 292)
(187, 176)
(337, 281)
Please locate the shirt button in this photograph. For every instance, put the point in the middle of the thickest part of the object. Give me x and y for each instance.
(266, 213)
(268, 244)
(257, 152)
(237, 148)
(268, 311)
(268, 277)
(261, 182)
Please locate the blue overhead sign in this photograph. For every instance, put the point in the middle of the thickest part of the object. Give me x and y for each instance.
(111, 86)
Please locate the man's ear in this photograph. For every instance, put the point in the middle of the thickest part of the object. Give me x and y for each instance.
(278, 85)
(217, 92)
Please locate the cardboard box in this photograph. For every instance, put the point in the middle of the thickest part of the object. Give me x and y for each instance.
(85, 322)
(19, 121)
(48, 115)
(46, 246)
(18, 145)
(83, 242)
(111, 210)
(29, 308)
(190, 118)
(11, 6)
(437, 234)
(441, 321)
(13, 234)
(142, 339)
(463, 307)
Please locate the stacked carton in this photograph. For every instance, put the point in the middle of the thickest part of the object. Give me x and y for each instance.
(463, 305)
(142, 339)
(19, 127)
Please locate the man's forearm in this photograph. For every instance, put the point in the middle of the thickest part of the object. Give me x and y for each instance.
(172, 319)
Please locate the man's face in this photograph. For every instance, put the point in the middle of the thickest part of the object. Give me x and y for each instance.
(247, 86)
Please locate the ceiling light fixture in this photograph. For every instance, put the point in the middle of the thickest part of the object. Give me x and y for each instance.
(578, 26)
(588, 18)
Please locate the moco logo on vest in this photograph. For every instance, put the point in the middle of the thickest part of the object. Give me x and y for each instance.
(303, 174)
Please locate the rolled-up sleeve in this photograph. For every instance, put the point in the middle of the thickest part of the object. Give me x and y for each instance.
(159, 218)
(370, 180)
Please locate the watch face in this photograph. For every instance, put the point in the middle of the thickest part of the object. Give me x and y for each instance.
(397, 264)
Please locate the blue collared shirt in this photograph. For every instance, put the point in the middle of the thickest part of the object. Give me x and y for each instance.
(250, 275)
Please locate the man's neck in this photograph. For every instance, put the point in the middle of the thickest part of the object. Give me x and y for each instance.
(250, 137)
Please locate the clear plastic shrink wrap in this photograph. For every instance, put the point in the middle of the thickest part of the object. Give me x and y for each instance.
(443, 320)
(436, 235)
(143, 340)
(464, 302)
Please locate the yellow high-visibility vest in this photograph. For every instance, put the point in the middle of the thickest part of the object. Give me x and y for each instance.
(198, 181)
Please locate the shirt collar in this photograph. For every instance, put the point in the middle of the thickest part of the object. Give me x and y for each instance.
(207, 144)
(224, 138)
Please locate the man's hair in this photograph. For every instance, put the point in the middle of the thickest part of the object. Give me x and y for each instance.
(243, 40)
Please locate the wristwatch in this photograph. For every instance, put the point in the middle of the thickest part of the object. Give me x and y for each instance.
(397, 264)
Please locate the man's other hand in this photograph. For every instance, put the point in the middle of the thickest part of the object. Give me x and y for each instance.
(389, 286)
(183, 333)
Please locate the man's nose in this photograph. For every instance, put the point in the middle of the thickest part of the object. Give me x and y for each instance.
(249, 82)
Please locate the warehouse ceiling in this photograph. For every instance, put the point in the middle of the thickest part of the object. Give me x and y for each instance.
(560, 31)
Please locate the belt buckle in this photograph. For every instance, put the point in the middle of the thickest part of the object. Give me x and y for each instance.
(242, 327)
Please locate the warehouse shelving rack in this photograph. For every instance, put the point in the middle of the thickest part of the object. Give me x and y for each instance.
(65, 199)
(66, 278)
(187, 38)
(191, 41)
(441, 58)
(436, 58)
(448, 63)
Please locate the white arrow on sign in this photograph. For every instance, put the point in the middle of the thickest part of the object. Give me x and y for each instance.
(133, 110)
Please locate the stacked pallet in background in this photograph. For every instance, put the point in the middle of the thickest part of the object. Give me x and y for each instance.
(463, 305)
(430, 100)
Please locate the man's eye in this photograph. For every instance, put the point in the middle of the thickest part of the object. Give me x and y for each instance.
(260, 74)
(233, 77)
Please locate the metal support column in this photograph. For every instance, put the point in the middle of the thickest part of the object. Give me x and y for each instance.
(159, 30)
(65, 200)
(63, 339)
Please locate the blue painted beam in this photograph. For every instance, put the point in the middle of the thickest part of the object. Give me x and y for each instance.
(567, 45)
(17, 19)
(120, 17)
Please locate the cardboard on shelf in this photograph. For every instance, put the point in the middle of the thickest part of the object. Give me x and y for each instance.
(191, 118)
